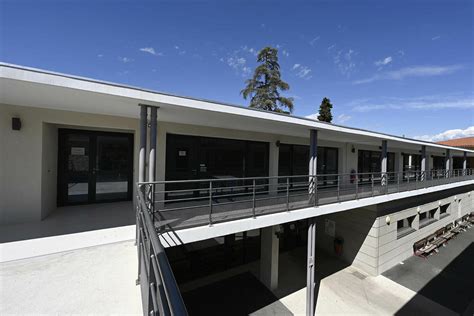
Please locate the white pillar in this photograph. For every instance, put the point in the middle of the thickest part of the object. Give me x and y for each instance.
(313, 165)
(464, 164)
(448, 162)
(383, 161)
(269, 253)
(152, 155)
(424, 163)
(142, 153)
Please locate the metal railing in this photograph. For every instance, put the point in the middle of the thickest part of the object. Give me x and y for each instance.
(160, 292)
(186, 203)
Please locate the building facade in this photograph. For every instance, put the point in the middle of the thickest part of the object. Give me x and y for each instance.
(71, 144)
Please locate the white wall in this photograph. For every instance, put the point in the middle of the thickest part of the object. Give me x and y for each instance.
(28, 158)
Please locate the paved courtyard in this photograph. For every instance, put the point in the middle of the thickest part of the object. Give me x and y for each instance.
(95, 280)
(446, 277)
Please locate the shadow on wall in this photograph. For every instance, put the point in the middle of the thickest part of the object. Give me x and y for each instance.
(453, 287)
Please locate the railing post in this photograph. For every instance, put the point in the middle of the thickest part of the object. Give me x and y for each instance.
(210, 203)
(253, 199)
(338, 188)
(288, 194)
(416, 180)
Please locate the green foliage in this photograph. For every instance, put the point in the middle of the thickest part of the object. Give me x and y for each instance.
(263, 88)
(325, 114)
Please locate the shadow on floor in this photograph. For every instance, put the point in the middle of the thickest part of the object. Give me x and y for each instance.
(453, 287)
(242, 294)
(72, 219)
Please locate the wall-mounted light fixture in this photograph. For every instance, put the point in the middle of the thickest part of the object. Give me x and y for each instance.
(387, 220)
(277, 143)
(353, 150)
(16, 123)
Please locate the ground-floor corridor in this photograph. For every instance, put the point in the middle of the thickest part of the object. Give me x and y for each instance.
(342, 289)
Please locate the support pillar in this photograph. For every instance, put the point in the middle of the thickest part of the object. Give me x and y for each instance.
(448, 162)
(313, 166)
(152, 156)
(310, 275)
(464, 164)
(142, 152)
(383, 161)
(424, 163)
(274, 152)
(269, 253)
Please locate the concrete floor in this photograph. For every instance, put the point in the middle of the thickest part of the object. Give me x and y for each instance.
(72, 219)
(446, 277)
(95, 280)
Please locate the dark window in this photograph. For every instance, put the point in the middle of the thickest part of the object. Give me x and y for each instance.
(400, 224)
(370, 162)
(444, 209)
(294, 160)
(423, 216)
(414, 165)
(438, 163)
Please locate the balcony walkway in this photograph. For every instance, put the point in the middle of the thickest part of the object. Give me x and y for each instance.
(198, 211)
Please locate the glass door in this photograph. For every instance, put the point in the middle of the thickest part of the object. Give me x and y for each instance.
(94, 167)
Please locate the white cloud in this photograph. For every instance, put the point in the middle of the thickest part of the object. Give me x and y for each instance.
(435, 38)
(150, 50)
(414, 71)
(249, 50)
(314, 40)
(344, 61)
(301, 71)
(100, 55)
(447, 135)
(125, 59)
(431, 102)
(383, 62)
(343, 118)
(313, 116)
(331, 46)
(239, 64)
(285, 53)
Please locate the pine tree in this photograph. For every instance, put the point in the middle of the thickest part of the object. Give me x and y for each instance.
(263, 88)
(325, 114)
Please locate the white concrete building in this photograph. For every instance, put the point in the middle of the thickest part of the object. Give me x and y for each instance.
(70, 149)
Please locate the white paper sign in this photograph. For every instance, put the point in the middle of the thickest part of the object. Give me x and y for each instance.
(330, 227)
(78, 151)
(182, 153)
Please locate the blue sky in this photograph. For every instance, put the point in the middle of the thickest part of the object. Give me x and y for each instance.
(400, 67)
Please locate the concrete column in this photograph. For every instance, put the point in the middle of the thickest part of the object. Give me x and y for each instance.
(152, 155)
(424, 162)
(142, 152)
(448, 162)
(313, 165)
(464, 164)
(311, 269)
(269, 253)
(383, 162)
(274, 153)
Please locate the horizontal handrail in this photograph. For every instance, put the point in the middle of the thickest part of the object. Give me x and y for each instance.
(205, 201)
(293, 176)
(160, 292)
